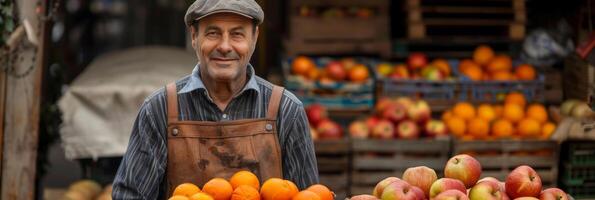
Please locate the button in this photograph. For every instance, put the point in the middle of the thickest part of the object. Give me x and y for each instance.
(268, 127)
(175, 131)
(224, 116)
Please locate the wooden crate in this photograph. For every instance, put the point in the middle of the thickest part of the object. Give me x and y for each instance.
(374, 160)
(435, 18)
(318, 35)
(499, 158)
(452, 47)
(334, 162)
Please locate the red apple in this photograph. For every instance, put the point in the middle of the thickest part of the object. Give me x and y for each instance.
(421, 177)
(407, 130)
(486, 190)
(417, 61)
(500, 185)
(464, 168)
(418, 192)
(405, 101)
(359, 129)
(399, 190)
(316, 113)
(383, 130)
(382, 184)
(372, 121)
(364, 197)
(435, 128)
(526, 198)
(336, 71)
(400, 72)
(523, 182)
(553, 194)
(382, 104)
(445, 184)
(451, 195)
(419, 111)
(328, 129)
(395, 112)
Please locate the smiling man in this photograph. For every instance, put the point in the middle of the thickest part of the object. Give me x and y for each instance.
(220, 119)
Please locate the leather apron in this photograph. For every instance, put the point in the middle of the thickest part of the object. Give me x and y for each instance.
(198, 151)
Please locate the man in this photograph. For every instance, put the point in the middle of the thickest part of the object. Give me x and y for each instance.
(220, 119)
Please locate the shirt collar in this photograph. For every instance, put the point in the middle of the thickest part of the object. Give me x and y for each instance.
(195, 82)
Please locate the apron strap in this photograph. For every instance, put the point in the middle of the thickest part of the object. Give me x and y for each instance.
(274, 102)
(172, 102)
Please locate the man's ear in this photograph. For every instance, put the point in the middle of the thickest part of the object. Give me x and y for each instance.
(256, 34)
(193, 34)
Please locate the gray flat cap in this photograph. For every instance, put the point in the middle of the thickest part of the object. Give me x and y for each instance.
(203, 8)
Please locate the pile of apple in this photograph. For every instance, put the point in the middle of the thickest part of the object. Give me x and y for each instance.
(417, 67)
(345, 69)
(462, 182)
(322, 127)
(402, 118)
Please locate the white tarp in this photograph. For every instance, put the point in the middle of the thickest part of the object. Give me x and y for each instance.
(100, 106)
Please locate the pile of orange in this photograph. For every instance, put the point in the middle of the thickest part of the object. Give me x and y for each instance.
(513, 119)
(244, 185)
(486, 65)
(348, 69)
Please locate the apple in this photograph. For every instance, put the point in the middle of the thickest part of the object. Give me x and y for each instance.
(421, 177)
(405, 101)
(553, 194)
(400, 72)
(464, 168)
(314, 134)
(328, 129)
(316, 113)
(383, 130)
(382, 104)
(407, 130)
(418, 192)
(417, 60)
(419, 111)
(384, 69)
(348, 63)
(451, 195)
(523, 182)
(500, 185)
(372, 121)
(395, 112)
(382, 184)
(359, 129)
(435, 128)
(526, 198)
(486, 190)
(399, 190)
(445, 184)
(336, 71)
(364, 197)
(432, 73)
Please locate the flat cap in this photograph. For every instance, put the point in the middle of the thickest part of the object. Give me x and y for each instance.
(203, 8)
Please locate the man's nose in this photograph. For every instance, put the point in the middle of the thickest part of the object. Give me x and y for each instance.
(224, 46)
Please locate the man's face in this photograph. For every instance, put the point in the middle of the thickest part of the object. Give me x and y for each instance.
(224, 44)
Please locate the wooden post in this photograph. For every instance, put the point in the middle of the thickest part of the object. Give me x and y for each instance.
(21, 113)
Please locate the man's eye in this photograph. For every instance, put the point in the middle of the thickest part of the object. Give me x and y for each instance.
(237, 34)
(212, 33)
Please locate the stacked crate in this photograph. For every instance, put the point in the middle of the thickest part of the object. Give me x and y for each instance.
(374, 160)
(334, 162)
(578, 169)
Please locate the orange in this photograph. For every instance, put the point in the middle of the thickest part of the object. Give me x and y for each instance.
(186, 189)
(547, 130)
(525, 72)
(442, 66)
(529, 128)
(502, 76)
(466, 63)
(464, 110)
(502, 128)
(456, 126)
(322, 191)
(478, 128)
(306, 195)
(486, 112)
(201, 196)
(513, 112)
(178, 197)
(474, 72)
(498, 110)
(277, 189)
(218, 188)
(293, 189)
(313, 74)
(244, 178)
(245, 192)
(359, 73)
(483, 54)
(302, 65)
(446, 115)
(499, 63)
(537, 112)
(515, 98)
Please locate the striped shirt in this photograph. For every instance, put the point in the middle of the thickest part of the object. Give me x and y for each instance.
(142, 173)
